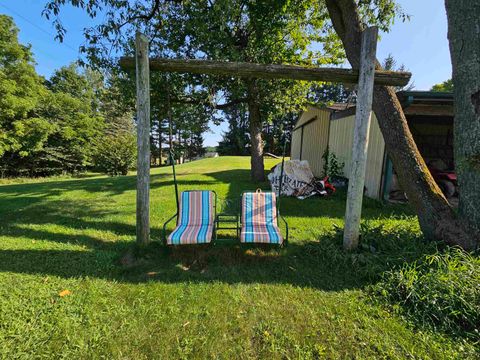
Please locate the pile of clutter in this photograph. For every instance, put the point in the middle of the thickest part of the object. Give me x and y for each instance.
(298, 180)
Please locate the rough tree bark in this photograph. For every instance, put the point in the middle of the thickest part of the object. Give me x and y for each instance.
(266, 71)
(464, 36)
(255, 119)
(143, 139)
(437, 218)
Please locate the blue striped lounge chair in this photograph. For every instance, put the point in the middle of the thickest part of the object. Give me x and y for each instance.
(196, 219)
(259, 218)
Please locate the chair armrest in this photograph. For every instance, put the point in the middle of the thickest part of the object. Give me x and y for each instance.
(165, 228)
(286, 228)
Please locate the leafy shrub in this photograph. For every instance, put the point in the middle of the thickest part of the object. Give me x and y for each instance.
(116, 154)
(440, 291)
(332, 166)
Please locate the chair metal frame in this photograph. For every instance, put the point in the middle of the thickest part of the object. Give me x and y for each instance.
(217, 218)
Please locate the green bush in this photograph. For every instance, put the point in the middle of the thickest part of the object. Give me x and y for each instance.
(332, 166)
(440, 291)
(116, 154)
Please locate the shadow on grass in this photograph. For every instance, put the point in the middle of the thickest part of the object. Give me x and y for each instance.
(320, 263)
(26, 195)
(110, 185)
(329, 206)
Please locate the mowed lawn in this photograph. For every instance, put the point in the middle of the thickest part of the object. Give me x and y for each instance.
(308, 300)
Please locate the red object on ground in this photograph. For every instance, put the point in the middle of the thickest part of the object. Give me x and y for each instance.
(446, 180)
(329, 188)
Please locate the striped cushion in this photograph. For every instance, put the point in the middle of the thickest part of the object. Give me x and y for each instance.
(195, 219)
(191, 234)
(259, 218)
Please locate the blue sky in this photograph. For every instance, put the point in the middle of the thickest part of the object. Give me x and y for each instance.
(421, 43)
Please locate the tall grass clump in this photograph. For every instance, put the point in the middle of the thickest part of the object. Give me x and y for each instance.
(441, 291)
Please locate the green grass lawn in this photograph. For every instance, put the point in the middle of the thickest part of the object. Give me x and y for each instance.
(308, 300)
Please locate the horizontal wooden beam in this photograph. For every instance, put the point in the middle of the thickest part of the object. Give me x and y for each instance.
(430, 110)
(251, 70)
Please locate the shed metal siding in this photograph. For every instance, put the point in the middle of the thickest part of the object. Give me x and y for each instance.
(340, 143)
(296, 139)
(341, 139)
(315, 141)
(375, 160)
(338, 135)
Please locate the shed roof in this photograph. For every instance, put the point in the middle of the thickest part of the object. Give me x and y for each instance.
(341, 106)
(333, 108)
(419, 95)
(426, 103)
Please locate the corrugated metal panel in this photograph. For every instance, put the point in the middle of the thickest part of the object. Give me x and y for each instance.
(340, 143)
(296, 140)
(315, 141)
(341, 139)
(315, 138)
(375, 160)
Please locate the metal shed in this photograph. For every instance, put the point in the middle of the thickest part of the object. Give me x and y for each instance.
(310, 138)
(430, 118)
(332, 127)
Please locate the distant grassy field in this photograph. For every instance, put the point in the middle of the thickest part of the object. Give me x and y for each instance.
(71, 285)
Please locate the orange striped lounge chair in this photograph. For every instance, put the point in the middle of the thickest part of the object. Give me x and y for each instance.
(195, 219)
(259, 219)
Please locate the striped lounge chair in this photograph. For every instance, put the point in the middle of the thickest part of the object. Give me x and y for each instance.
(259, 219)
(196, 219)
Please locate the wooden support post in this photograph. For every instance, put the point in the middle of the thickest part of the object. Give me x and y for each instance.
(143, 139)
(360, 138)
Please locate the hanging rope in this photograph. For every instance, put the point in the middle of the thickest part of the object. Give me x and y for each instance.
(170, 134)
(281, 172)
(172, 161)
(169, 115)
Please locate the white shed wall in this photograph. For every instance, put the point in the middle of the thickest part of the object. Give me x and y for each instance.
(315, 138)
(340, 143)
(296, 142)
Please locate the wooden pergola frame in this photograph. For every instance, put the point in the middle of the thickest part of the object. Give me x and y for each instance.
(366, 77)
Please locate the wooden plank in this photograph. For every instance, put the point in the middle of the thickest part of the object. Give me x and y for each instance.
(363, 116)
(251, 70)
(143, 139)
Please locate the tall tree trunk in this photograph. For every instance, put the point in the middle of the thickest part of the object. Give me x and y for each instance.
(257, 171)
(464, 36)
(437, 218)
